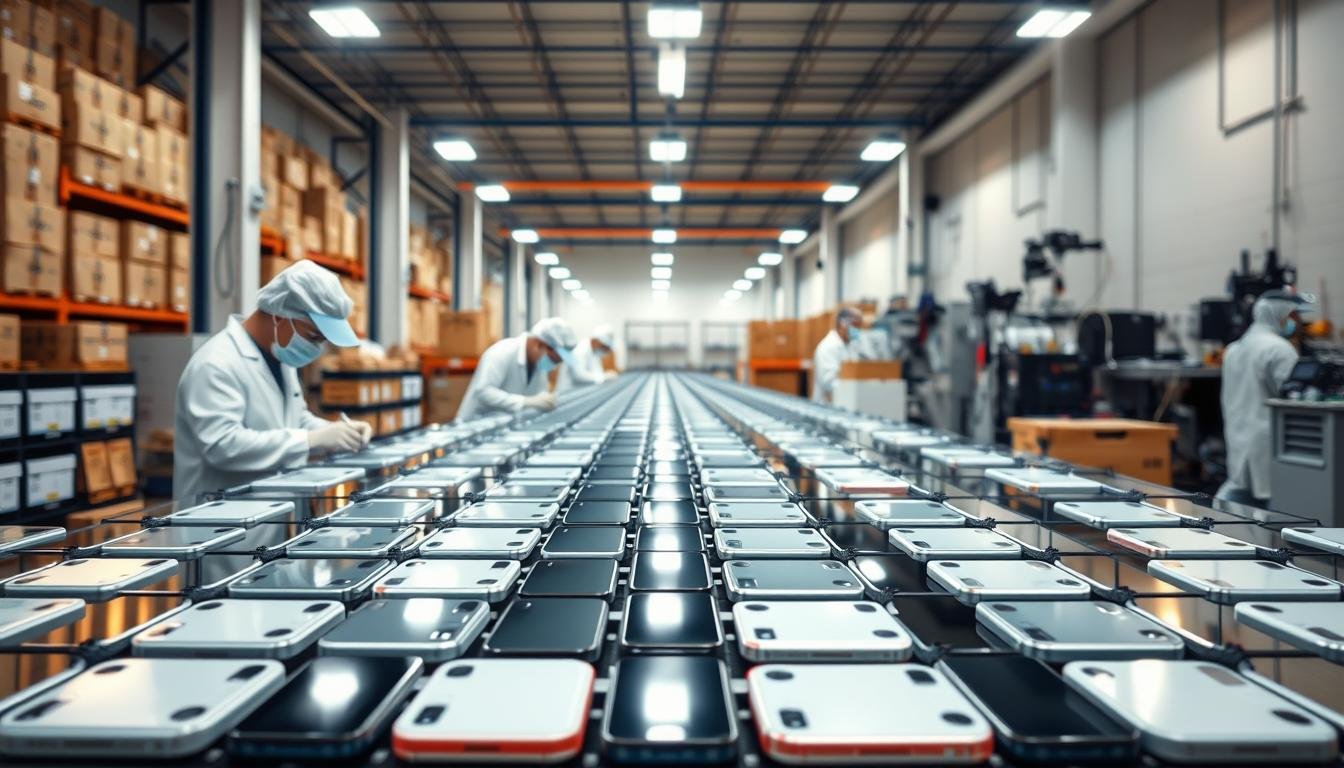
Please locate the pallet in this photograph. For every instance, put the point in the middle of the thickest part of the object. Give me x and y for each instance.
(32, 125)
(83, 299)
(31, 293)
(152, 197)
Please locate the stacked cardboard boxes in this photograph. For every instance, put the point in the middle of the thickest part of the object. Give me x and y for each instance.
(33, 225)
(431, 259)
(93, 254)
(145, 257)
(305, 205)
(422, 322)
(74, 346)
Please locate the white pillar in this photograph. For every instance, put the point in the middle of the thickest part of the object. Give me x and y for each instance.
(226, 158)
(537, 297)
(828, 250)
(470, 259)
(900, 265)
(390, 267)
(515, 321)
(788, 279)
(1071, 189)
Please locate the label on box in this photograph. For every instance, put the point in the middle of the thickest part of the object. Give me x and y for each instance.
(25, 92)
(9, 420)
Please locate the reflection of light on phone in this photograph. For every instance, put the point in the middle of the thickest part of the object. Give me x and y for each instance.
(422, 610)
(667, 705)
(665, 610)
(664, 562)
(333, 688)
(321, 572)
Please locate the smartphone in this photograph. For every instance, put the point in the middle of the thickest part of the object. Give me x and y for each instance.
(972, 581)
(313, 717)
(597, 513)
(353, 541)
(619, 473)
(578, 577)
(926, 544)
(908, 513)
(1232, 581)
(472, 543)
(559, 457)
(667, 489)
(585, 541)
(1039, 480)
(1181, 543)
(1065, 630)
(1324, 539)
(889, 714)
(395, 513)
(819, 630)
(546, 475)
(682, 512)
(645, 624)
(25, 618)
(1197, 712)
(790, 580)
(670, 709)
(507, 514)
(849, 481)
(756, 543)
(18, 537)
(461, 716)
(1313, 627)
(1104, 515)
(759, 493)
(553, 493)
(90, 580)
(748, 476)
(488, 580)
(669, 538)
(241, 513)
(550, 626)
(433, 628)
(670, 571)
(139, 709)
(231, 629)
(618, 492)
(317, 579)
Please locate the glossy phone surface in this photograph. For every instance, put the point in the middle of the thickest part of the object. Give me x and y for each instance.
(682, 512)
(1065, 630)
(493, 543)
(579, 577)
(860, 713)
(667, 490)
(508, 514)
(759, 493)
(1181, 543)
(492, 710)
(568, 541)
(488, 580)
(335, 579)
(597, 513)
(433, 628)
(1325, 539)
(262, 629)
(17, 537)
(670, 708)
(24, 618)
(178, 542)
(628, 473)
(647, 625)
(618, 492)
(790, 580)
(550, 626)
(1038, 480)
(975, 580)
(1232, 581)
(743, 514)
(1116, 514)
(535, 492)
(397, 513)
(755, 543)
(747, 476)
(669, 538)
(962, 543)
(334, 707)
(352, 541)
(91, 580)
(664, 571)
(1314, 627)
(819, 630)
(243, 513)
(1038, 717)
(913, 513)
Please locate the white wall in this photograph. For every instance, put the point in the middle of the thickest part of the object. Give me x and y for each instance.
(868, 251)
(811, 281)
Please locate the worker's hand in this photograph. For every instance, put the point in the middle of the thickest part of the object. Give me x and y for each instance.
(365, 432)
(609, 375)
(335, 438)
(544, 401)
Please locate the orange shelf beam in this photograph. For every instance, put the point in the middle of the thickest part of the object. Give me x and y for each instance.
(271, 242)
(63, 309)
(431, 363)
(779, 364)
(420, 292)
(71, 191)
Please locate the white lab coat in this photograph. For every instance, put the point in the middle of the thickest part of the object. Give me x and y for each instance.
(830, 352)
(233, 425)
(501, 381)
(586, 371)
(1254, 367)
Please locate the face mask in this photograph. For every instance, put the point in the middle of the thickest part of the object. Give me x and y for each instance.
(545, 364)
(854, 335)
(1289, 328)
(298, 352)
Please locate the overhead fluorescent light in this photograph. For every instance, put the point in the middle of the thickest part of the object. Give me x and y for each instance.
(665, 193)
(344, 21)
(840, 193)
(671, 70)
(667, 148)
(662, 259)
(492, 193)
(742, 284)
(572, 284)
(882, 150)
(732, 294)
(558, 273)
(660, 285)
(1053, 22)
(754, 273)
(581, 294)
(664, 236)
(792, 236)
(546, 259)
(525, 236)
(661, 273)
(675, 20)
(660, 295)
(770, 259)
(455, 150)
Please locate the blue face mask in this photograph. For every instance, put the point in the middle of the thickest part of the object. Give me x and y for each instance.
(1289, 328)
(298, 352)
(545, 364)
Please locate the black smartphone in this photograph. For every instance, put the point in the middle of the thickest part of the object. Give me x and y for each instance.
(614, 471)
(669, 538)
(669, 468)
(683, 512)
(551, 626)
(670, 709)
(335, 707)
(1036, 715)
(579, 577)
(646, 623)
(670, 571)
(664, 489)
(939, 620)
(619, 492)
(597, 513)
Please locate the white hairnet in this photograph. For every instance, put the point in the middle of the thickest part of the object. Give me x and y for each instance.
(556, 334)
(604, 336)
(305, 290)
(1274, 307)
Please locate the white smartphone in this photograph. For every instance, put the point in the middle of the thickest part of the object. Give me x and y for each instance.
(1181, 543)
(745, 543)
(1314, 627)
(343, 579)
(1103, 515)
(1233, 581)
(1325, 539)
(488, 580)
(508, 514)
(975, 580)
(1039, 480)
(790, 580)
(25, 618)
(1057, 631)
(491, 543)
(349, 541)
(819, 630)
(911, 513)
(17, 537)
(233, 629)
(91, 580)
(926, 544)
(741, 514)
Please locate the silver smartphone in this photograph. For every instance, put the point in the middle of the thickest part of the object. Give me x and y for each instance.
(1325, 539)
(745, 476)
(743, 514)
(1197, 712)
(742, 493)
(349, 541)
(863, 481)
(972, 581)
(790, 580)
(546, 475)
(926, 544)
(882, 714)
(1234, 581)
(433, 628)
(752, 543)
(233, 629)
(492, 543)
(553, 493)
(1040, 480)
(1181, 543)
(488, 580)
(819, 630)
(25, 618)
(1103, 515)
(140, 709)
(17, 537)
(178, 542)
(240, 513)
(1064, 630)
(343, 579)
(91, 580)
(911, 513)
(1313, 627)
(394, 513)
(507, 514)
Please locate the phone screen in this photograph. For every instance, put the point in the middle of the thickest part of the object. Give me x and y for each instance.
(669, 699)
(330, 699)
(1030, 699)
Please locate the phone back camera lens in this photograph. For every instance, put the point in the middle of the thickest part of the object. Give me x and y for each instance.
(792, 718)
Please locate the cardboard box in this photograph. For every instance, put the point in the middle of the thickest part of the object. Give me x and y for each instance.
(144, 243)
(96, 128)
(179, 290)
(30, 269)
(29, 223)
(114, 51)
(312, 234)
(321, 176)
(81, 86)
(294, 171)
(272, 266)
(389, 421)
(9, 342)
(144, 285)
(163, 109)
(89, 166)
(291, 208)
(31, 164)
(130, 106)
(1140, 449)
(788, 382)
(95, 279)
(76, 344)
(28, 25)
(140, 167)
(443, 396)
(121, 462)
(27, 65)
(866, 370)
(95, 477)
(179, 249)
(327, 206)
(26, 101)
(349, 235)
(775, 340)
(174, 164)
(89, 234)
(74, 33)
(463, 334)
(349, 391)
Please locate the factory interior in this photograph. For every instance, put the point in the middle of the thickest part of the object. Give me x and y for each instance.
(659, 382)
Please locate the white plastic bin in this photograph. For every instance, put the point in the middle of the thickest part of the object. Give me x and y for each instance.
(11, 413)
(11, 475)
(108, 405)
(51, 410)
(50, 480)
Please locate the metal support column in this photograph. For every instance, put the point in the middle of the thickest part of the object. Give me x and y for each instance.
(389, 263)
(470, 259)
(788, 279)
(828, 250)
(538, 304)
(225, 104)
(906, 208)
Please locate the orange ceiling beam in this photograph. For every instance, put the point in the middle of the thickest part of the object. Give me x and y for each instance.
(645, 233)
(636, 185)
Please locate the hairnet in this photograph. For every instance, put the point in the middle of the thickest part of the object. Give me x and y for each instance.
(604, 336)
(556, 334)
(305, 290)
(1274, 307)
(848, 314)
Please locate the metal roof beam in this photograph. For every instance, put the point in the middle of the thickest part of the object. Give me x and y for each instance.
(392, 49)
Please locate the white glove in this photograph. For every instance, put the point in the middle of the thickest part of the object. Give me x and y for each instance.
(365, 432)
(336, 437)
(609, 375)
(544, 401)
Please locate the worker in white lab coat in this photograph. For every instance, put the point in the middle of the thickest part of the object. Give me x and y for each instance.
(240, 409)
(589, 355)
(839, 345)
(513, 374)
(1254, 368)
